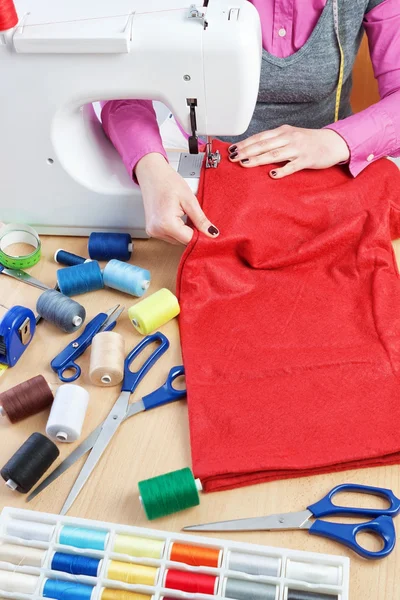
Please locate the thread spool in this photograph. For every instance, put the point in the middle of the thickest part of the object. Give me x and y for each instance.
(26, 399)
(106, 246)
(169, 493)
(66, 590)
(29, 463)
(241, 589)
(195, 583)
(61, 311)
(305, 595)
(107, 359)
(30, 530)
(8, 15)
(313, 572)
(109, 594)
(80, 279)
(254, 564)
(22, 555)
(126, 278)
(154, 311)
(131, 573)
(18, 582)
(63, 257)
(67, 413)
(197, 556)
(81, 537)
(138, 546)
(76, 564)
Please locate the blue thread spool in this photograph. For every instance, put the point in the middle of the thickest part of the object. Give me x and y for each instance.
(69, 259)
(66, 590)
(126, 278)
(80, 279)
(76, 564)
(105, 246)
(80, 537)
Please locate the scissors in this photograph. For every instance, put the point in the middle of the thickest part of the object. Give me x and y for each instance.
(123, 409)
(65, 361)
(346, 534)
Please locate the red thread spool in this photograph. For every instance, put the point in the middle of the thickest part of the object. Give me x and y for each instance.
(195, 583)
(8, 15)
(197, 556)
(26, 399)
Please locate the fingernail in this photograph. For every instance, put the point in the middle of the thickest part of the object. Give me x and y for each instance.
(245, 160)
(232, 148)
(213, 230)
(234, 155)
(273, 173)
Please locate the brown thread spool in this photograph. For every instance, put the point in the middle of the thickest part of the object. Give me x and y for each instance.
(107, 359)
(26, 399)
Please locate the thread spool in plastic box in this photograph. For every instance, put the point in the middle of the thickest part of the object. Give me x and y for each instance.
(22, 555)
(22, 583)
(314, 572)
(67, 413)
(253, 564)
(30, 530)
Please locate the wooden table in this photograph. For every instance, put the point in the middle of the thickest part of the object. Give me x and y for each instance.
(158, 442)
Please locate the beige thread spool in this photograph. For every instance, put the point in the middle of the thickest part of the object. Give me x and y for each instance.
(107, 359)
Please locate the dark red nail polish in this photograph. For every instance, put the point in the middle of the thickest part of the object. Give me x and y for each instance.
(213, 230)
(232, 148)
(245, 160)
(273, 173)
(234, 155)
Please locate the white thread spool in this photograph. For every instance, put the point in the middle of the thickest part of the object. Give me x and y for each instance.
(30, 530)
(254, 564)
(22, 555)
(18, 582)
(313, 572)
(107, 359)
(67, 413)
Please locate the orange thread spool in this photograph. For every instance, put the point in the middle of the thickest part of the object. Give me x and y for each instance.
(8, 15)
(197, 556)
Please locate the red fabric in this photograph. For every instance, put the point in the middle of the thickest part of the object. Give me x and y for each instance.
(290, 324)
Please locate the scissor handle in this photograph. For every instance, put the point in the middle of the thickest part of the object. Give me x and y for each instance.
(346, 534)
(132, 378)
(166, 393)
(76, 372)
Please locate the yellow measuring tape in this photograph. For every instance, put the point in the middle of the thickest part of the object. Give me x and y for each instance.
(341, 68)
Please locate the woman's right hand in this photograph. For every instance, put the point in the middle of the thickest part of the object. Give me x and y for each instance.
(167, 198)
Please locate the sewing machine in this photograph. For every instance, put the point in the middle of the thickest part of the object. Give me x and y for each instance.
(58, 170)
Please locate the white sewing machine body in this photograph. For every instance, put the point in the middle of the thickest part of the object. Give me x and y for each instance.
(59, 172)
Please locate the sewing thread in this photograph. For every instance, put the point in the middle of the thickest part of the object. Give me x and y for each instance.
(29, 463)
(241, 589)
(131, 573)
(254, 564)
(169, 493)
(66, 590)
(126, 278)
(69, 259)
(30, 530)
(313, 572)
(67, 413)
(109, 594)
(105, 246)
(154, 311)
(138, 546)
(61, 311)
(80, 279)
(107, 357)
(26, 399)
(195, 583)
(197, 556)
(76, 564)
(8, 15)
(305, 595)
(18, 582)
(22, 555)
(81, 537)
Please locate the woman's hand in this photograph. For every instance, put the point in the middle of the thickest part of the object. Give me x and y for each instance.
(299, 148)
(167, 198)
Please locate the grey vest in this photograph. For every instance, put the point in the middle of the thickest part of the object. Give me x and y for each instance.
(300, 90)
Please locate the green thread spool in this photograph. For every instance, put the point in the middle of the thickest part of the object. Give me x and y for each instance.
(169, 493)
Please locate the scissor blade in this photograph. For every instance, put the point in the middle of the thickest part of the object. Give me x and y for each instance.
(112, 316)
(24, 277)
(297, 520)
(109, 427)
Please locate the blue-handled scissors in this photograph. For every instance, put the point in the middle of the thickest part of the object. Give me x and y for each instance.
(381, 525)
(65, 361)
(123, 409)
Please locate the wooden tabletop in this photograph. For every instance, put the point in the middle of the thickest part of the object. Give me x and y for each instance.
(157, 442)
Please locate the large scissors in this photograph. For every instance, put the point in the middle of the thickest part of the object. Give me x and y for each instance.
(123, 409)
(346, 534)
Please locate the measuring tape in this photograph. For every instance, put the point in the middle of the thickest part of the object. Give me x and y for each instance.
(19, 234)
(341, 68)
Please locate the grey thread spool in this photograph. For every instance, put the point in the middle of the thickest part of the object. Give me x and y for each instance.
(304, 595)
(239, 589)
(254, 564)
(63, 312)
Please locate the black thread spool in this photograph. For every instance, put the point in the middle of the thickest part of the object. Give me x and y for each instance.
(29, 463)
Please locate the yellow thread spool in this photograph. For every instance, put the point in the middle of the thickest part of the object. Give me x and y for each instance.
(130, 573)
(154, 311)
(109, 594)
(138, 546)
(107, 359)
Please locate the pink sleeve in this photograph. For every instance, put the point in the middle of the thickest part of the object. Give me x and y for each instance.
(132, 127)
(375, 131)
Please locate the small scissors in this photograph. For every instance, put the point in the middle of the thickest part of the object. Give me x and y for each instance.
(66, 359)
(123, 409)
(382, 525)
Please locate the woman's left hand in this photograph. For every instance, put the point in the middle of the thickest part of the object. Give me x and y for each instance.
(299, 148)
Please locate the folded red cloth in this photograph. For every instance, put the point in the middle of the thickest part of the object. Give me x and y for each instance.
(290, 324)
